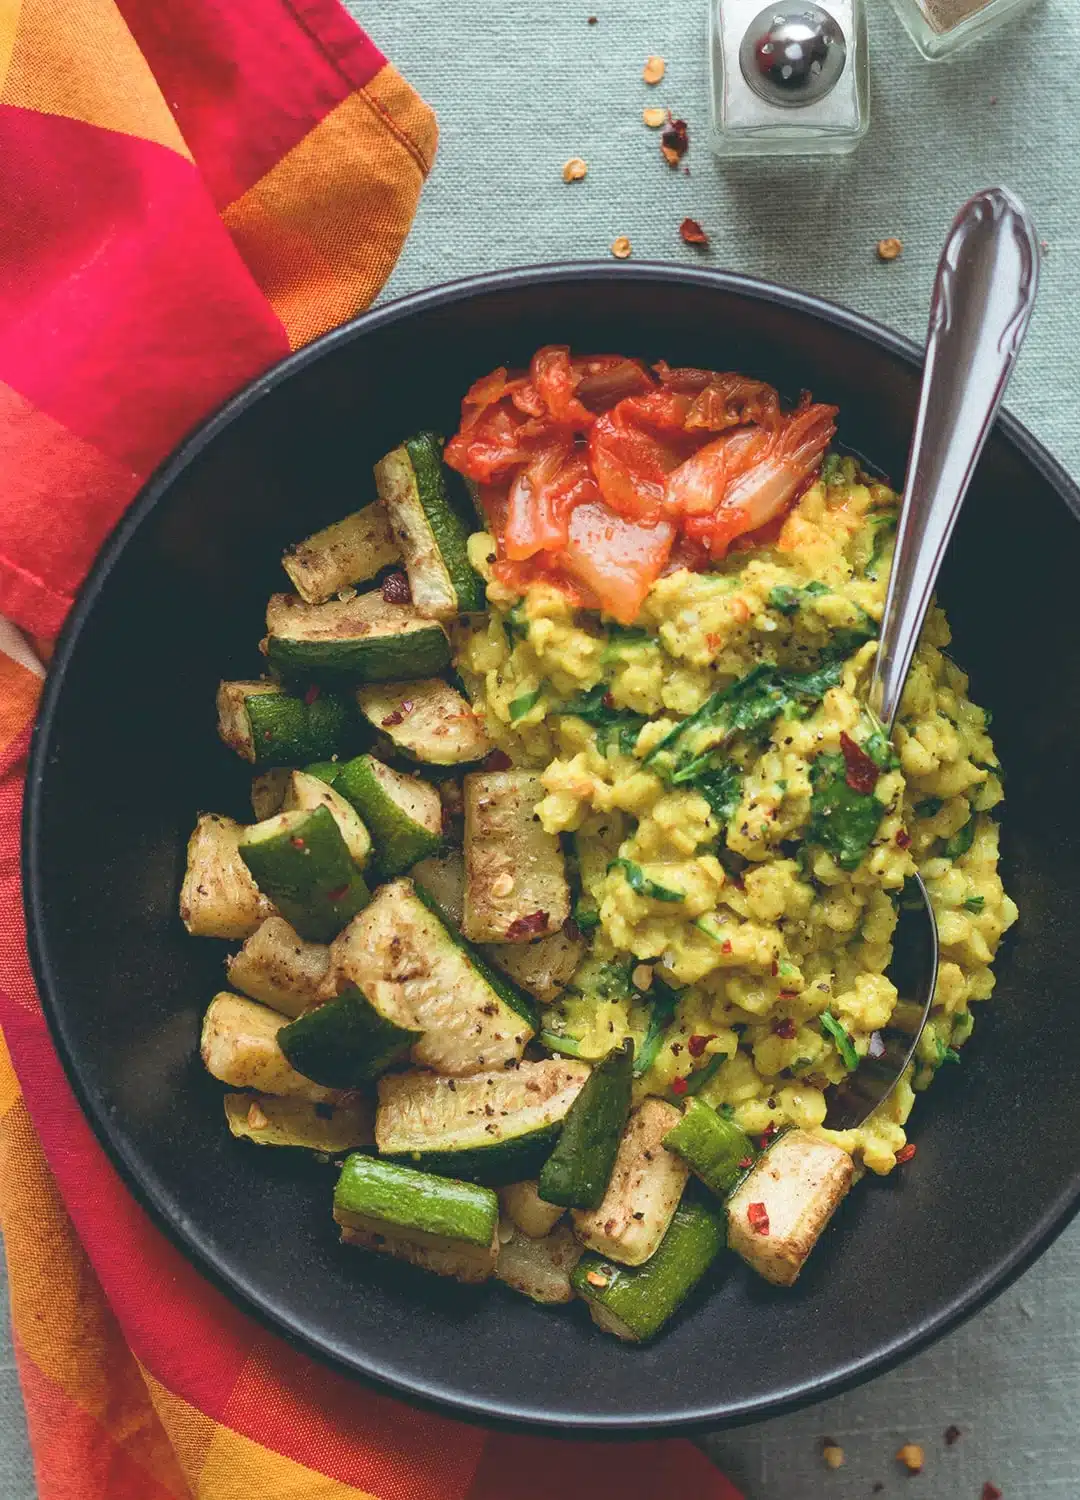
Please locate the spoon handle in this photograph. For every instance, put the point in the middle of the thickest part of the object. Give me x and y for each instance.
(983, 295)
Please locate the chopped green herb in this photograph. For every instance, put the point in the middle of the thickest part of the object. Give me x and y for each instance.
(975, 903)
(832, 469)
(640, 883)
(929, 807)
(842, 820)
(524, 703)
(662, 1013)
(727, 1111)
(516, 624)
(945, 1054)
(844, 1045)
(722, 790)
(963, 1026)
(695, 1082)
(554, 1041)
(787, 599)
(884, 528)
(961, 841)
(594, 706)
(586, 915)
(879, 748)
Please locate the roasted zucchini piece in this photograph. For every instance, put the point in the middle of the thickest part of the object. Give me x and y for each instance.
(350, 551)
(419, 976)
(776, 1216)
(714, 1149)
(239, 1046)
(300, 859)
(442, 879)
(364, 638)
(523, 1206)
(543, 968)
(268, 792)
(634, 1302)
(270, 727)
(515, 877)
(539, 1269)
(577, 1173)
(431, 533)
(403, 813)
(218, 897)
(426, 721)
(306, 793)
(447, 1227)
(270, 1121)
(643, 1193)
(345, 1042)
(493, 1128)
(276, 967)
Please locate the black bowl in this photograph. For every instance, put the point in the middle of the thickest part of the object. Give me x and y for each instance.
(125, 752)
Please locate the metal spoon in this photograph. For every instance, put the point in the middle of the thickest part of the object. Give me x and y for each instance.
(983, 297)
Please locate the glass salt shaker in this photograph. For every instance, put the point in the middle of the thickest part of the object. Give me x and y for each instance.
(790, 79)
(938, 27)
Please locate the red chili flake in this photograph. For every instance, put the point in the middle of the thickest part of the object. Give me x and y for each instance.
(678, 1085)
(785, 1028)
(338, 892)
(691, 232)
(746, 1162)
(396, 590)
(268, 734)
(757, 1216)
(696, 1044)
(296, 841)
(675, 141)
(903, 839)
(523, 928)
(991, 1492)
(725, 946)
(905, 1153)
(860, 773)
(767, 1134)
(398, 714)
(787, 994)
(311, 694)
(608, 700)
(775, 968)
(953, 1435)
(498, 760)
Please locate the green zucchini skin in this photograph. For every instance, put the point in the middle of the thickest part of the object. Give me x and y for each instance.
(287, 731)
(323, 770)
(300, 861)
(359, 640)
(429, 529)
(399, 840)
(577, 1172)
(502, 984)
(714, 1149)
(408, 1201)
(495, 1166)
(344, 1043)
(635, 1302)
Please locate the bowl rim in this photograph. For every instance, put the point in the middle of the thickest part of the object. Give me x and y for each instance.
(110, 1134)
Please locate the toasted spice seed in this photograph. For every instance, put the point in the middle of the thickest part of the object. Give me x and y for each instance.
(642, 977)
(595, 1279)
(953, 1434)
(890, 249)
(396, 590)
(654, 69)
(654, 117)
(255, 1117)
(757, 1216)
(912, 1458)
(621, 248)
(574, 170)
(832, 1453)
(691, 232)
(503, 884)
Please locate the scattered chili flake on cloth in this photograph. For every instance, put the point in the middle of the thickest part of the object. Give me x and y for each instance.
(912, 1457)
(654, 69)
(691, 232)
(574, 170)
(890, 248)
(953, 1434)
(654, 116)
(675, 141)
(621, 248)
(991, 1492)
(832, 1453)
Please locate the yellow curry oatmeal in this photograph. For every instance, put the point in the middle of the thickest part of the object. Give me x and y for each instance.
(576, 861)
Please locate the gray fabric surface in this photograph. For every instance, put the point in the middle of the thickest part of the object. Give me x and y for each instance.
(520, 90)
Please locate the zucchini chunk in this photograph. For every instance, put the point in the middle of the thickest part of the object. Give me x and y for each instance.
(350, 551)
(635, 1302)
(268, 792)
(364, 638)
(218, 897)
(523, 1206)
(515, 877)
(714, 1149)
(540, 1269)
(426, 721)
(643, 1193)
(543, 968)
(418, 975)
(577, 1173)
(777, 1214)
(493, 1128)
(306, 793)
(270, 727)
(447, 1227)
(239, 1046)
(276, 967)
(442, 879)
(431, 534)
(345, 1042)
(403, 813)
(300, 859)
(269, 1121)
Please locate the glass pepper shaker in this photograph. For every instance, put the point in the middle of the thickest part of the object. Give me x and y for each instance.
(789, 79)
(938, 27)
